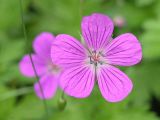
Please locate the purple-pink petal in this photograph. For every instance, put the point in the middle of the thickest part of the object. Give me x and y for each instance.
(113, 83)
(78, 81)
(42, 45)
(26, 67)
(124, 50)
(97, 30)
(48, 85)
(66, 51)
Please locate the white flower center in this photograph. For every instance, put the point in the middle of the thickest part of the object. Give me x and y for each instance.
(96, 58)
(53, 69)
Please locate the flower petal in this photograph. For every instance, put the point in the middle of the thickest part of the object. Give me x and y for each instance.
(78, 81)
(66, 51)
(26, 67)
(125, 50)
(113, 83)
(49, 84)
(42, 45)
(97, 30)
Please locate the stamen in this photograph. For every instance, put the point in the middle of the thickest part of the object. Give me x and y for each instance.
(100, 62)
(91, 62)
(95, 63)
(96, 57)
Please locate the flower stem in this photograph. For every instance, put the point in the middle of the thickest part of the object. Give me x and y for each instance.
(81, 8)
(33, 65)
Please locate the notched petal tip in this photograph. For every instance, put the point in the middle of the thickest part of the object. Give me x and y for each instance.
(124, 50)
(25, 67)
(126, 94)
(42, 44)
(77, 81)
(114, 84)
(44, 36)
(97, 30)
(47, 86)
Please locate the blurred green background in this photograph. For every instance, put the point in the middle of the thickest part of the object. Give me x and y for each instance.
(17, 98)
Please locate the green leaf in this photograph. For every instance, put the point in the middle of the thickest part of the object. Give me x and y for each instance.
(150, 39)
(142, 3)
(135, 115)
(58, 16)
(29, 108)
(146, 82)
(6, 105)
(10, 14)
(12, 51)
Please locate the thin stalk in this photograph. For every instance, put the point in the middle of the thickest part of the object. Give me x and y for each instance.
(31, 59)
(81, 8)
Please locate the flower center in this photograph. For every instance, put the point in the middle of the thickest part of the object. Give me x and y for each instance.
(96, 58)
(52, 68)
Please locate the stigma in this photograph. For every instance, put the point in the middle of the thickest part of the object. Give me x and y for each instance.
(53, 69)
(96, 58)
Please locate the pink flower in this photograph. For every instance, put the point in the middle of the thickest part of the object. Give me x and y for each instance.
(95, 61)
(46, 70)
(119, 21)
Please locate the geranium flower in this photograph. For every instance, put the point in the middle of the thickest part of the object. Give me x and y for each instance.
(95, 61)
(46, 70)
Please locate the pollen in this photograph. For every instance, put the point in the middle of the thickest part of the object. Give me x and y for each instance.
(96, 58)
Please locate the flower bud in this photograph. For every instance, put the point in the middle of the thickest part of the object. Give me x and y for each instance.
(62, 103)
(119, 21)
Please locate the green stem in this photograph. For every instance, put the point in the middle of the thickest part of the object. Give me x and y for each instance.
(30, 55)
(81, 8)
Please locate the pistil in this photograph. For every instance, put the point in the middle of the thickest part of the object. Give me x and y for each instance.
(96, 58)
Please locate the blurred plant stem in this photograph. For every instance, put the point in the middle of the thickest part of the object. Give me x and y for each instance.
(15, 93)
(81, 8)
(31, 59)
